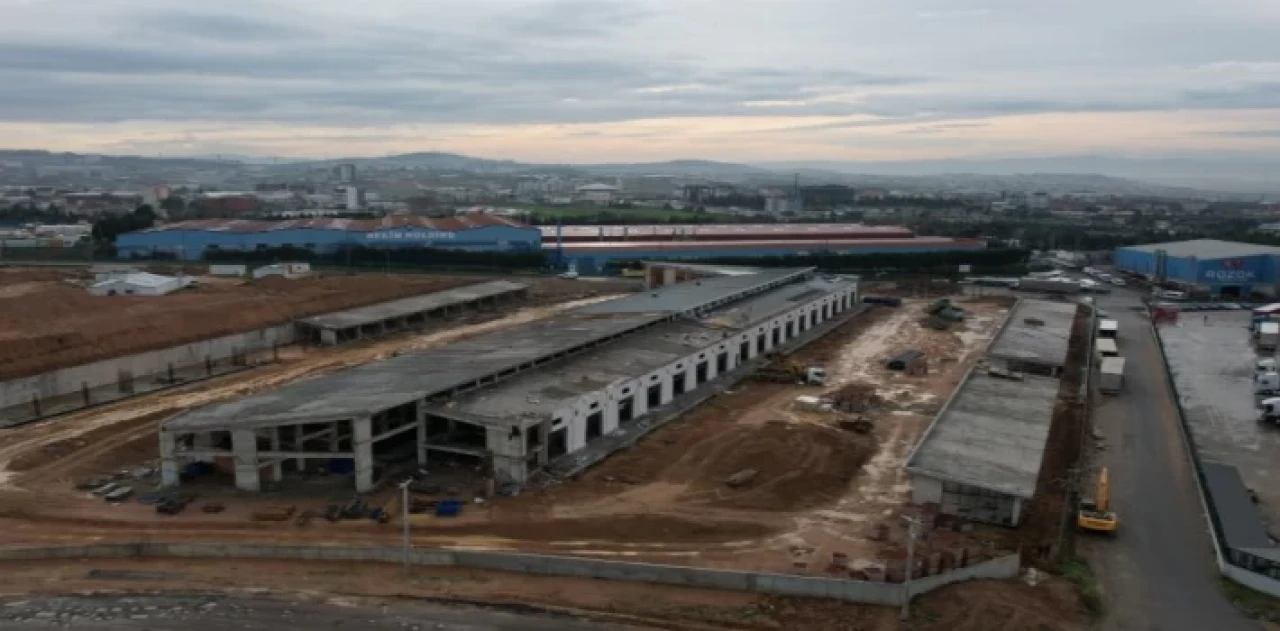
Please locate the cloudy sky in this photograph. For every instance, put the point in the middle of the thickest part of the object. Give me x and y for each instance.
(633, 80)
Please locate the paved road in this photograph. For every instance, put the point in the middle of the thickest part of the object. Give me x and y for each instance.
(218, 613)
(1158, 572)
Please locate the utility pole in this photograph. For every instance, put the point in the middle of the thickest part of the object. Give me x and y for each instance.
(404, 518)
(914, 525)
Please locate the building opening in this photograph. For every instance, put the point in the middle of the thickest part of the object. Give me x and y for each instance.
(677, 384)
(777, 336)
(744, 352)
(595, 426)
(760, 343)
(626, 409)
(700, 374)
(722, 363)
(655, 396)
(791, 329)
(558, 445)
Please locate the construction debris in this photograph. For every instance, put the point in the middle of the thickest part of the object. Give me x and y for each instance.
(904, 359)
(274, 513)
(741, 478)
(854, 397)
(857, 425)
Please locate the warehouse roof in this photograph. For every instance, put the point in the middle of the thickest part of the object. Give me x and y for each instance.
(814, 244)
(1205, 249)
(539, 393)
(1242, 526)
(991, 434)
(1036, 330)
(416, 304)
(744, 231)
(390, 222)
(381, 385)
(713, 270)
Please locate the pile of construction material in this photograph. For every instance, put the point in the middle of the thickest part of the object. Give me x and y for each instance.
(854, 397)
(940, 315)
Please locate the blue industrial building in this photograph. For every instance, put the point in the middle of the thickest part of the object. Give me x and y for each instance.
(190, 240)
(1219, 268)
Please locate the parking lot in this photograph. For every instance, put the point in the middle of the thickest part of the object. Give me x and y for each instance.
(1211, 357)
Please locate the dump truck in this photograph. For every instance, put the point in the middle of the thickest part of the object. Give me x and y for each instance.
(1111, 375)
(779, 371)
(1095, 514)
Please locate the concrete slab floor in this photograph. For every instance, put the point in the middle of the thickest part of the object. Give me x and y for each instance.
(1211, 357)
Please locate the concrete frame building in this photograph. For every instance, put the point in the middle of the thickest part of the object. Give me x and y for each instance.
(980, 458)
(408, 313)
(561, 383)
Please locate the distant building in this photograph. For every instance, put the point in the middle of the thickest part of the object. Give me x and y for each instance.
(775, 203)
(601, 194)
(345, 173)
(1038, 201)
(355, 198)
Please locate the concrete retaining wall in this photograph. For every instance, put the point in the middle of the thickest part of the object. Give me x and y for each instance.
(870, 592)
(64, 390)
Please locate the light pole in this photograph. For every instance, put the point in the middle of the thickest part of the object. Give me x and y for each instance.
(404, 518)
(913, 531)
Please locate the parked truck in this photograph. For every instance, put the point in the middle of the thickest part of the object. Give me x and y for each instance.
(1049, 285)
(1111, 379)
(1108, 329)
(1268, 335)
(782, 371)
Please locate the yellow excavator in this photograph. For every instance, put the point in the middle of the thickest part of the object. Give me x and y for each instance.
(1095, 513)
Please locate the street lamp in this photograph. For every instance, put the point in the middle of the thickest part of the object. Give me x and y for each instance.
(914, 525)
(404, 518)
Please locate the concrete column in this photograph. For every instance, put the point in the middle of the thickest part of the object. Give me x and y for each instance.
(640, 400)
(610, 421)
(333, 437)
(362, 445)
(713, 365)
(277, 469)
(508, 455)
(169, 474)
(691, 378)
(298, 431)
(668, 387)
(422, 433)
(244, 449)
(329, 337)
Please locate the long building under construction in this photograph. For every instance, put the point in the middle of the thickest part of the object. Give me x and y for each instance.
(520, 399)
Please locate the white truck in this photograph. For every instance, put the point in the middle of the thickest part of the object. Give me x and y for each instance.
(1111, 379)
(1106, 347)
(1266, 383)
(1269, 412)
(1268, 335)
(1108, 329)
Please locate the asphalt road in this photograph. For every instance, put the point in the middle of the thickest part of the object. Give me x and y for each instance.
(220, 613)
(1158, 572)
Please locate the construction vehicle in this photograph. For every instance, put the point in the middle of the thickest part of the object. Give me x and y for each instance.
(1266, 383)
(1270, 410)
(781, 371)
(1095, 512)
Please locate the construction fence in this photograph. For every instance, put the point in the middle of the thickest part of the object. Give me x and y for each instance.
(869, 592)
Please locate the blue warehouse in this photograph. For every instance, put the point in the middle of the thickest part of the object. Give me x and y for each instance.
(190, 240)
(1220, 268)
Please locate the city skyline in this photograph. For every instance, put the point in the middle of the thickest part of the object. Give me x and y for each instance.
(618, 81)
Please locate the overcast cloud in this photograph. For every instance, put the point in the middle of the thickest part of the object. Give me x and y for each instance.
(642, 79)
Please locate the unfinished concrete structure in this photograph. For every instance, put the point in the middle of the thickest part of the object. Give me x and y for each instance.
(407, 313)
(981, 457)
(566, 380)
(1034, 338)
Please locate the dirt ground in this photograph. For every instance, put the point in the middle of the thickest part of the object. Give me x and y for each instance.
(48, 323)
(978, 606)
(819, 491)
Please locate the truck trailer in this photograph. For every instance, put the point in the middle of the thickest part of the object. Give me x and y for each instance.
(1108, 329)
(1049, 285)
(1268, 335)
(1111, 375)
